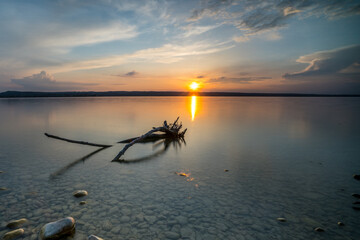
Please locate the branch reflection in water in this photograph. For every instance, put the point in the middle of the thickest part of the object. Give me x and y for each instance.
(70, 165)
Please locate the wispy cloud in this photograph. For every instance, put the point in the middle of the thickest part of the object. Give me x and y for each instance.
(337, 63)
(43, 81)
(237, 79)
(69, 36)
(168, 53)
(192, 30)
(253, 17)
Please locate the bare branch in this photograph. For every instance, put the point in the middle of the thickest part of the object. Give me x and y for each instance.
(78, 142)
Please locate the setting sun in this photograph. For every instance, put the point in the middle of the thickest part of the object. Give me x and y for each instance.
(194, 86)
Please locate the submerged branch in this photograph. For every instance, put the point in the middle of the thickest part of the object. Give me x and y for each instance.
(78, 142)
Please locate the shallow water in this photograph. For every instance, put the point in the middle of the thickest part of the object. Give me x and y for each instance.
(287, 157)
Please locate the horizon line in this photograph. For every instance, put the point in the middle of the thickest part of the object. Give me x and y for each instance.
(29, 94)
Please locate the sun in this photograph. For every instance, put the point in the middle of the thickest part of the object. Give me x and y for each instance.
(194, 86)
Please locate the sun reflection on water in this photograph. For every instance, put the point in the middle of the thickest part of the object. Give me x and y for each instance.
(193, 107)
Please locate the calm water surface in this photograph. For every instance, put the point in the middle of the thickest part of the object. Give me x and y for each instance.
(287, 157)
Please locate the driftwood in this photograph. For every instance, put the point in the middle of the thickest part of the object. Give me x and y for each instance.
(170, 131)
(151, 138)
(78, 142)
(170, 134)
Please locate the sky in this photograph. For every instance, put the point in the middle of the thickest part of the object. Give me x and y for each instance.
(274, 46)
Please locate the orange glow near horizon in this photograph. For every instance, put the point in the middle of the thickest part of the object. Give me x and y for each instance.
(193, 107)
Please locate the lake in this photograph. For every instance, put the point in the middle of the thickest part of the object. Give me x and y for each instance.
(246, 162)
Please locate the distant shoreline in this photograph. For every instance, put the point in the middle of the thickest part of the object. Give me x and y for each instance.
(19, 94)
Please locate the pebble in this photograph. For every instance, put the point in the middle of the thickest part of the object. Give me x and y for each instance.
(341, 224)
(62, 227)
(182, 220)
(226, 170)
(319, 229)
(124, 219)
(150, 219)
(356, 176)
(281, 219)
(172, 235)
(16, 223)
(93, 237)
(82, 202)
(13, 234)
(80, 193)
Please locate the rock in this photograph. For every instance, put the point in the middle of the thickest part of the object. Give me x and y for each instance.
(226, 170)
(356, 176)
(356, 195)
(82, 202)
(172, 235)
(140, 217)
(93, 237)
(125, 219)
(13, 234)
(3, 188)
(341, 224)
(357, 202)
(58, 229)
(182, 220)
(1, 172)
(356, 208)
(80, 193)
(16, 223)
(281, 219)
(319, 229)
(150, 219)
(187, 232)
(107, 226)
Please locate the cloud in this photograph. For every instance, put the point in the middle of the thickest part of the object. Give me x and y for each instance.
(335, 64)
(236, 79)
(168, 53)
(197, 30)
(209, 8)
(252, 16)
(59, 35)
(45, 82)
(269, 35)
(201, 76)
(130, 74)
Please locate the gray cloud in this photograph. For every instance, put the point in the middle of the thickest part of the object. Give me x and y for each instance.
(201, 76)
(130, 74)
(209, 7)
(253, 16)
(45, 82)
(338, 63)
(236, 79)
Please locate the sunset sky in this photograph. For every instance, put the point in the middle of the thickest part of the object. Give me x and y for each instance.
(309, 46)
